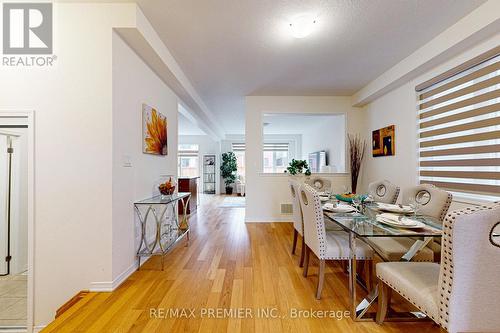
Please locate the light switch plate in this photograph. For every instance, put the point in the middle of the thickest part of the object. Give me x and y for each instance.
(126, 161)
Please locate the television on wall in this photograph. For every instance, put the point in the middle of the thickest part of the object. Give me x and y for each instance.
(318, 161)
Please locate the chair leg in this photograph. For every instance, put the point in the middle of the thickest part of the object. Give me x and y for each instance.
(302, 252)
(369, 274)
(383, 297)
(321, 278)
(294, 244)
(306, 260)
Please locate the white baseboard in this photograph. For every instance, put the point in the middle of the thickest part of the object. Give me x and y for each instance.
(109, 286)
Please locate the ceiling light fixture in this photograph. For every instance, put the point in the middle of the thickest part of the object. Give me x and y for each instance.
(302, 25)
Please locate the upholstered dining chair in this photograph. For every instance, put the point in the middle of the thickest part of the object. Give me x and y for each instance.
(298, 224)
(332, 245)
(461, 294)
(320, 184)
(384, 191)
(435, 202)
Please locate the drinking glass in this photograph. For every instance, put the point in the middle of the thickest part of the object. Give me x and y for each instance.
(356, 202)
(414, 205)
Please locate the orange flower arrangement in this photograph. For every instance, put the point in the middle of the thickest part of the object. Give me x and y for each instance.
(156, 139)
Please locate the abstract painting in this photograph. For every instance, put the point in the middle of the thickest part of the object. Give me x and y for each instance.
(383, 141)
(154, 131)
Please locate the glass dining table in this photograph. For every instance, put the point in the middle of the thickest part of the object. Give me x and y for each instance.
(364, 224)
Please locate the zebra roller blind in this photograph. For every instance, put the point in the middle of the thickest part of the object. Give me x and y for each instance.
(459, 127)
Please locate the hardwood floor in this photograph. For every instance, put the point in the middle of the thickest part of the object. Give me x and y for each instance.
(227, 265)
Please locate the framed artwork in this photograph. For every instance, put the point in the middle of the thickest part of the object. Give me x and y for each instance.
(383, 141)
(209, 160)
(154, 131)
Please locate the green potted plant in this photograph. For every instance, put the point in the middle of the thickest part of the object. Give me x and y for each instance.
(298, 167)
(228, 170)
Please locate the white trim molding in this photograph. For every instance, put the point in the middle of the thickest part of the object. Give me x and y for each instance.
(30, 121)
(109, 286)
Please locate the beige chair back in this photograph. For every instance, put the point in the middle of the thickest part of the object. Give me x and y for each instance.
(384, 191)
(434, 201)
(469, 294)
(314, 224)
(320, 184)
(297, 210)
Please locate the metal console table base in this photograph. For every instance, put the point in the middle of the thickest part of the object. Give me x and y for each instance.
(174, 232)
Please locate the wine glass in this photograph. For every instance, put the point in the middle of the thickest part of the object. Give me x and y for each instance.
(356, 201)
(414, 205)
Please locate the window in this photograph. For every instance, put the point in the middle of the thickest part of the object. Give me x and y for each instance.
(459, 128)
(239, 151)
(275, 157)
(188, 160)
(304, 136)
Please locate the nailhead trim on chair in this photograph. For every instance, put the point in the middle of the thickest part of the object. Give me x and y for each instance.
(446, 207)
(446, 274)
(320, 227)
(396, 195)
(384, 184)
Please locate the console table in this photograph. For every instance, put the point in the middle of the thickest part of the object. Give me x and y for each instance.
(159, 223)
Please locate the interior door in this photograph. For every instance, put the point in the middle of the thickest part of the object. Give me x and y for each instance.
(4, 168)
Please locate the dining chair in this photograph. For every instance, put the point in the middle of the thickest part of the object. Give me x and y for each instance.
(320, 184)
(332, 245)
(298, 224)
(384, 191)
(435, 202)
(461, 294)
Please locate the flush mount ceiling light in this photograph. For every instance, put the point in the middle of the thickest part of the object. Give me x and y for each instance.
(302, 25)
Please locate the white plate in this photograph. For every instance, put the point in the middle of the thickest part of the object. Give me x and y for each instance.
(394, 208)
(339, 208)
(413, 225)
(324, 199)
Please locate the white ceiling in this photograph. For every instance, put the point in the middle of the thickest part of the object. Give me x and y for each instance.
(233, 48)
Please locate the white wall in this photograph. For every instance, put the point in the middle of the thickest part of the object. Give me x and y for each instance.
(329, 136)
(72, 102)
(265, 192)
(134, 84)
(399, 107)
(207, 146)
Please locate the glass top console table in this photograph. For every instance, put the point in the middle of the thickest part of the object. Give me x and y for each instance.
(159, 224)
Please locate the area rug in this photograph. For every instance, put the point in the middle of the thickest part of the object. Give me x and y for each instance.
(233, 202)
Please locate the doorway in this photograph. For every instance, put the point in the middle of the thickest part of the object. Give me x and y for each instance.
(15, 226)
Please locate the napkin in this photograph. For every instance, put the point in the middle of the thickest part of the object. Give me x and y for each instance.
(398, 219)
(385, 206)
(338, 208)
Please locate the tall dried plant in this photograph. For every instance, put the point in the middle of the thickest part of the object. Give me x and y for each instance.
(357, 152)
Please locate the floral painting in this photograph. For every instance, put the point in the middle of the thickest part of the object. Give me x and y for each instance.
(154, 131)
